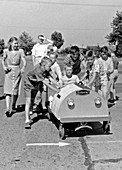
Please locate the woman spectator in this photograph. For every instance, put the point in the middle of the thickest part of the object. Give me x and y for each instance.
(11, 62)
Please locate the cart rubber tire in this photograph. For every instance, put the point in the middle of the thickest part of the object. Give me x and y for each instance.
(62, 131)
(48, 116)
(106, 127)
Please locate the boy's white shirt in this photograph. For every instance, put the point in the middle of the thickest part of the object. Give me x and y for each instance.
(73, 79)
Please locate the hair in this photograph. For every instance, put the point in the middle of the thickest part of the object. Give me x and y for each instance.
(11, 40)
(104, 49)
(45, 59)
(68, 65)
(76, 48)
(89, 53)
(55, 53)
(40, 35)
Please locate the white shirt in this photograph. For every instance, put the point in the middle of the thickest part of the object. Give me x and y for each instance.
(73, 79)
(39, 50)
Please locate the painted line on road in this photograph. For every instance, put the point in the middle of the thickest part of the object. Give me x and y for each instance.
(60, 144)
(102, 142)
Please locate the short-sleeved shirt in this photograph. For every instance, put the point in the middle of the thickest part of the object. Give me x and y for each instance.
(34, 77)
(39, 50)
(105, 65)
(76, 64)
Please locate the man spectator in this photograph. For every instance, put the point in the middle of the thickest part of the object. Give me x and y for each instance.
(75, 59)
(40, 49)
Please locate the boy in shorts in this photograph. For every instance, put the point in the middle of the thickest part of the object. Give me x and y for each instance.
(33, 80)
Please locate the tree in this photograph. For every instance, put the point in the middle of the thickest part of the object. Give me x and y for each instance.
(2, 46)
(116, 35)
(57, 38)
(26, 42)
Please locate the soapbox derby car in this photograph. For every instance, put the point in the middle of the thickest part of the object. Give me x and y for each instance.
(76, 105)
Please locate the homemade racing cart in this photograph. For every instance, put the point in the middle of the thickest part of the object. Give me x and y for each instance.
(76, 105)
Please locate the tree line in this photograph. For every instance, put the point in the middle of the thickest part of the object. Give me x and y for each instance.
(115, 36)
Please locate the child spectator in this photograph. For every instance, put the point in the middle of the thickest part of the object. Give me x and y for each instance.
(33, 79)
(105, 70)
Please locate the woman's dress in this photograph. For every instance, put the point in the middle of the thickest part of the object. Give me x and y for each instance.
(12, 80)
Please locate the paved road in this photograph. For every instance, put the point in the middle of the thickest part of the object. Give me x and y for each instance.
(93, 151)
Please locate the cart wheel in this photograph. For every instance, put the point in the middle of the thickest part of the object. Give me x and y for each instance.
(106, 127)
(48, 116)
(62, 131)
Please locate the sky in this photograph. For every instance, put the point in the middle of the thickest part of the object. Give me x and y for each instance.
(81, 22)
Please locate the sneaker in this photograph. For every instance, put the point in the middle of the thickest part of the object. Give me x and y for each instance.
(27, 125)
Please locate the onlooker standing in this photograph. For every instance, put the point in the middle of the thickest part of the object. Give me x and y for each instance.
(11, 62)
(103, 69)
(114, 75)
(40, 49)
(106, 69)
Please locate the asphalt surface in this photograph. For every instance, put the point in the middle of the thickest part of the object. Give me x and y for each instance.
(87, 151)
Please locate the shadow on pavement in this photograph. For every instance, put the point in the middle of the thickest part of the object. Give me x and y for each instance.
(2, 97)
(20, 108)
(97, 129)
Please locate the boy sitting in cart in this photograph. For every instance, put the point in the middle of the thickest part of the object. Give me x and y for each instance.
(68, 77)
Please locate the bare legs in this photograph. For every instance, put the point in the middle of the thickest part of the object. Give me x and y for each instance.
(27, 109)
(11, 100)
(8, 102)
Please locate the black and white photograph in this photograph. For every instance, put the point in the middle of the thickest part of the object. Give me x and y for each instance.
(60, 85)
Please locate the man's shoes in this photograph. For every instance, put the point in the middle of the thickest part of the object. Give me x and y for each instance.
(27, 125)
(111, 101)
(8, 113)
